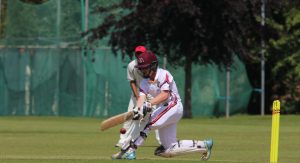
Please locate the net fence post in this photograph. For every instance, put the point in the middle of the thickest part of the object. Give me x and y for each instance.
(227, 91)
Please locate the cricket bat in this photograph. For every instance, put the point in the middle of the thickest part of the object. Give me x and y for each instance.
(115, 120)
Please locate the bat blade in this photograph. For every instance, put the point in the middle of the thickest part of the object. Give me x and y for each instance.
(116, 120)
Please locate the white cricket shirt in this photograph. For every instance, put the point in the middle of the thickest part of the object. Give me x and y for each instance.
(134, 73)
(163, 81)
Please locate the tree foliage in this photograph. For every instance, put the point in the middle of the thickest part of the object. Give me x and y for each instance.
(284, 53)
(35, 2)
(32, 24)
(206, 31)
(3, 9)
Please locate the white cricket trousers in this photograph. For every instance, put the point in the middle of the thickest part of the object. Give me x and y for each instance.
(165, 119)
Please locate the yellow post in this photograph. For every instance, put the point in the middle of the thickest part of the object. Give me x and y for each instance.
(275, 131)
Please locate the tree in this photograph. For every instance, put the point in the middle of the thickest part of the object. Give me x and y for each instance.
(286, 57)
(281, 34)
(186, 31)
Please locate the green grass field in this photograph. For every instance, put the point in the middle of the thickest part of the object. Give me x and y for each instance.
(239, 139)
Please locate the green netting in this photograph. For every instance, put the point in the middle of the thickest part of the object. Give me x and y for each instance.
(37, 81)
(209, 89)
(44, 70)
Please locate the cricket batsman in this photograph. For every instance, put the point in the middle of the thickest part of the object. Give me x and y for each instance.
(159, 83)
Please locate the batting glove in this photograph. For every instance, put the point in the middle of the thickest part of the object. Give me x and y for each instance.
(137, 113)
(147, 108)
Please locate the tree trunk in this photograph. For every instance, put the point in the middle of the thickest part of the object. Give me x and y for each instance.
(187, 108)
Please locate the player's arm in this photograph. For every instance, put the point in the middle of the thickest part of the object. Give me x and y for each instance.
(134, 88)
(141, 100)
(163, 96)
(138, 111)
(144, 107)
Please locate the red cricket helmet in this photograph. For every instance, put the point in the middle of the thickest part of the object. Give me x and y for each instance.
(146, 60)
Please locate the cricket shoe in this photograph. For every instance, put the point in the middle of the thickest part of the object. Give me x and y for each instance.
(208, 145)
(118, 155)
(127, 155)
